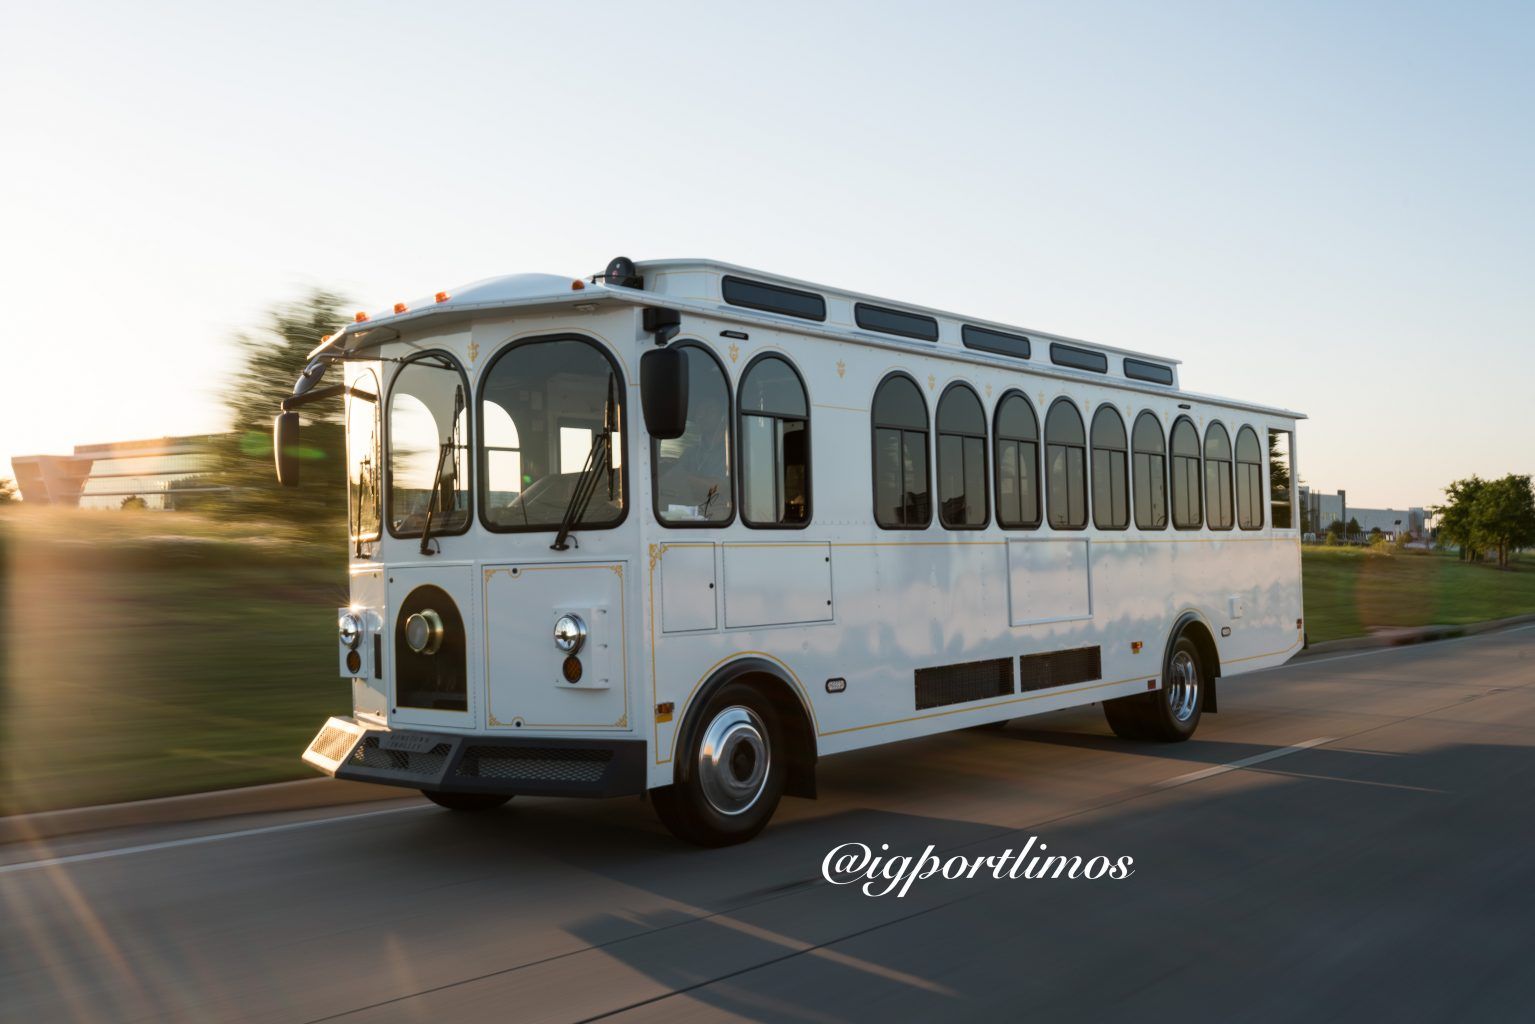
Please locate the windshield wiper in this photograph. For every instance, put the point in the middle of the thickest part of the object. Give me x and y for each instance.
(449, 444)
(586, 483)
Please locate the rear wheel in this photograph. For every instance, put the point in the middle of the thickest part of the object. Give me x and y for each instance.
(730, 774)
(1170, 714)
(466, 801)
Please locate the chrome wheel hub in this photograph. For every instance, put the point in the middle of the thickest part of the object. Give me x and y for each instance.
(733, 759)
(1183, 686)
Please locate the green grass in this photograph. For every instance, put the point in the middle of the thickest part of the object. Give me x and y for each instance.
(1354, 591)
(141, 663)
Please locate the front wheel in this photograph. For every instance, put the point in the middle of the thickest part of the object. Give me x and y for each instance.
(466, 802)
(1170, 714)
(730, 774)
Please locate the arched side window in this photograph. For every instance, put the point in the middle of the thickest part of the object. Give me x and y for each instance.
(1017, 463)
(1066, 466)
(692, 472)
(1249, 480)
(1185, 474)
(903, 497)
(774, 444)
(962, 499)
(1111, 464)
(1149, 460)
(1219, 513)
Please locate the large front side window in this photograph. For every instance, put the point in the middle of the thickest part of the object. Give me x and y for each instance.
(545, 409)
(428, 447)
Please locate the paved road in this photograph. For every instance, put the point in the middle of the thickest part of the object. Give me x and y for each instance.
(1388, 870)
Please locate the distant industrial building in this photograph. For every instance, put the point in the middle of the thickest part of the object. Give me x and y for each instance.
(157, 471)
(1325, 509)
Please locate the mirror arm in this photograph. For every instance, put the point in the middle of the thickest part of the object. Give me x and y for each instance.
(310, 397)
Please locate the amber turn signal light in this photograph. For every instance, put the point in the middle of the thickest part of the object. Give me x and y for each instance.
(572, 669)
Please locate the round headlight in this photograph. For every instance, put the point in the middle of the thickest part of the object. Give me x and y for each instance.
(569, 633)
(349, 626)
(423, 632)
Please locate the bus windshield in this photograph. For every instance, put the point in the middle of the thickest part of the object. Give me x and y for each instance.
(544, 405)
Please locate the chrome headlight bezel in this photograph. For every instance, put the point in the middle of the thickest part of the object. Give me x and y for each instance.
(424, 632)
(569, 633)
(349, 627)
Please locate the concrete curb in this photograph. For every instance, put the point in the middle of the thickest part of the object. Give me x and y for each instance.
(1422, 635)
(277, 796)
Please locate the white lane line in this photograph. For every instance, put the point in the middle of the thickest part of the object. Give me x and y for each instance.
(1246, 762)
(79, 858)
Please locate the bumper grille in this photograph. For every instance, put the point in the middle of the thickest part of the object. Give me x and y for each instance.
(541, 764)
(370, 754)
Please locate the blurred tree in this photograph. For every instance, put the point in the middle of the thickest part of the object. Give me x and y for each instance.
(1505, 516)
(272, 361)
(133, 503)
(1458, 517)
(1354, 529)
(8, 492)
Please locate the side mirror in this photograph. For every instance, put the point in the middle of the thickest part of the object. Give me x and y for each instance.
(664, 392)
(285, 448)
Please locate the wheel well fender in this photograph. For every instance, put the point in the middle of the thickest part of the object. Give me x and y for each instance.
(775, 684)
(1192, 625)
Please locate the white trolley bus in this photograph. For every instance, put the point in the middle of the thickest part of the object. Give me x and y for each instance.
(684, 528)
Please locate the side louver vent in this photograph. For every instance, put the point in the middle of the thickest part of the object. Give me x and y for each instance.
(956, 684)
(1060, 668)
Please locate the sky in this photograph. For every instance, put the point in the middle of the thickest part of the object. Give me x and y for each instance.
(1328, 207)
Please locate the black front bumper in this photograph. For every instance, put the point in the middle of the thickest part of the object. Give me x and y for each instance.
(521, 766)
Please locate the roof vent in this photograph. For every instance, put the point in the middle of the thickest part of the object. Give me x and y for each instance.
(622, 273)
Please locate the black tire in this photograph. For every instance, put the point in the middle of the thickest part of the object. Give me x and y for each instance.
(719, 798)
(1127, 716)
(466, 802)
(1168, 715)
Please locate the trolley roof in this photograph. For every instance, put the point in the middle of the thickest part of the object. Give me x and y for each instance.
(699, 285)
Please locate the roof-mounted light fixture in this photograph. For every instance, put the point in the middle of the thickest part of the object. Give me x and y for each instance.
(622, 273)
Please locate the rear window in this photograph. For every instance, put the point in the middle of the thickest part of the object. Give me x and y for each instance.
(774, 298)
(1156, 373)
(1078, 358)
(893, 321)
(995, 341)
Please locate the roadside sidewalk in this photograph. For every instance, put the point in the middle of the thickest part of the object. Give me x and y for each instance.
(1412, 635)
(222, 803)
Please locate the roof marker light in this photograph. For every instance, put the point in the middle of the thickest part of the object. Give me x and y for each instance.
(361, 317)
(577, 285)
(400, 307)
(442, 296)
